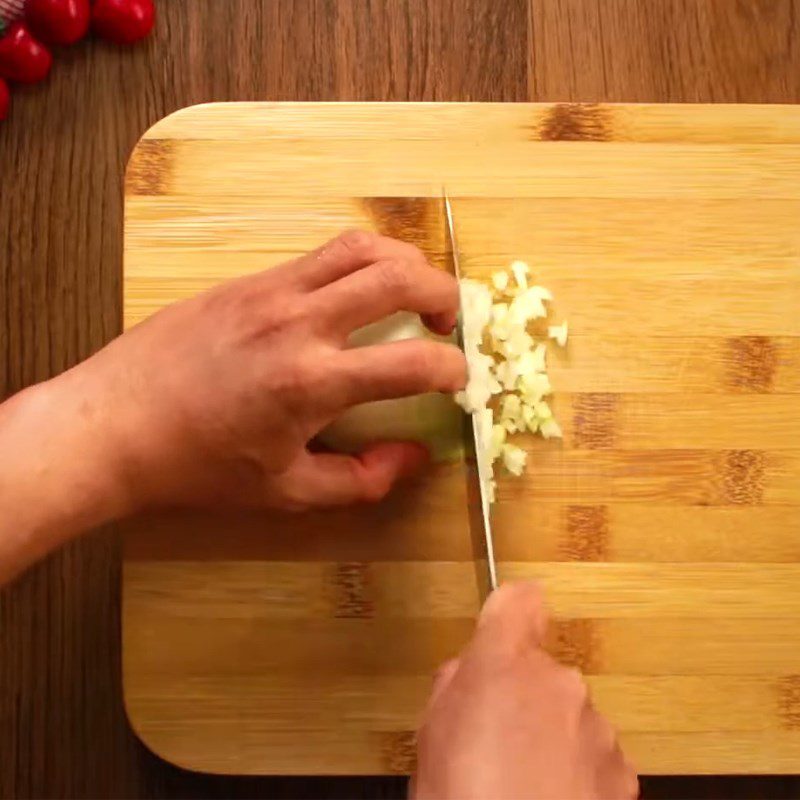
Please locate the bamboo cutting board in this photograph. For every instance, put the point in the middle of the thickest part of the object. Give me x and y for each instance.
(666, 527)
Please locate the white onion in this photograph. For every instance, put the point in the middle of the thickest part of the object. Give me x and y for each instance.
(431, 419)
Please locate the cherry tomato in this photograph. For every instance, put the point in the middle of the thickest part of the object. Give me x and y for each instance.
(123, 21)
(22, 58)
(5, 99)
(58, 21)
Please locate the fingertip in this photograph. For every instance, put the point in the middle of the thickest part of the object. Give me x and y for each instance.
(401, 459)
(450, 364)
(384, 464)
(460, 374)
(415, 457)
(517, 610)
(441, 324)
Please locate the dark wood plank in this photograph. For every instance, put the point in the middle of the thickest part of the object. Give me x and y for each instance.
(62, 155)
(680, 51)
(443, 50)
(670, 51)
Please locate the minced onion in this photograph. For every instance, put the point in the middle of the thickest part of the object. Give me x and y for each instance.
(507, 384)
(559, 333)
(505, 359)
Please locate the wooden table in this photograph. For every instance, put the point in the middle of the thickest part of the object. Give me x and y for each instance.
(62, 725)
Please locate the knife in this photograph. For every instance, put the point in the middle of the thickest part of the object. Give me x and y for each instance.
(480, 526)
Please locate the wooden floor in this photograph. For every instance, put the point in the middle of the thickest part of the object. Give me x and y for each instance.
(62, 726)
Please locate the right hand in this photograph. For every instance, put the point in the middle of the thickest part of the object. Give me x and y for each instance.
(506, 721)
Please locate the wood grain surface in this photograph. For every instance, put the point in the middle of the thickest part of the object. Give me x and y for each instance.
(62, 155)
(220, 611)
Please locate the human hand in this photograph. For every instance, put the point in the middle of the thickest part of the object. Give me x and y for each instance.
(505, 721)
(213, 400)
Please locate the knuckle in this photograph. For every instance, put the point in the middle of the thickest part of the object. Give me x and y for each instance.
(259, 318)
(393, 276)
(291, 380)
(422, 363)
(299, 384)
(286, 315)
(359, 243)
(313, 382)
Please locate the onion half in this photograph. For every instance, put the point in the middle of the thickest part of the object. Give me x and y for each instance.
(430, 419)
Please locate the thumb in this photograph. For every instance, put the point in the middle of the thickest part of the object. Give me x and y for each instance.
(442, 679)
(331, 479)
(514, 616)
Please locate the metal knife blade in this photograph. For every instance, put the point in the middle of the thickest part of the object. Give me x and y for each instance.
(480, 526)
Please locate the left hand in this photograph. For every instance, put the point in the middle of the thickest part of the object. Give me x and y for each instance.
(214, 400)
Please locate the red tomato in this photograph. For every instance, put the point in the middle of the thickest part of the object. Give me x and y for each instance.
(58, 21)
(22, 58)
(123, 21)
(5, 99)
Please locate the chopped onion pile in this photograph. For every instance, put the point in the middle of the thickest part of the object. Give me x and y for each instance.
(514, 366)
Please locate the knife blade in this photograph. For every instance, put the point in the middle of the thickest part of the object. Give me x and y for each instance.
(480, 526)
